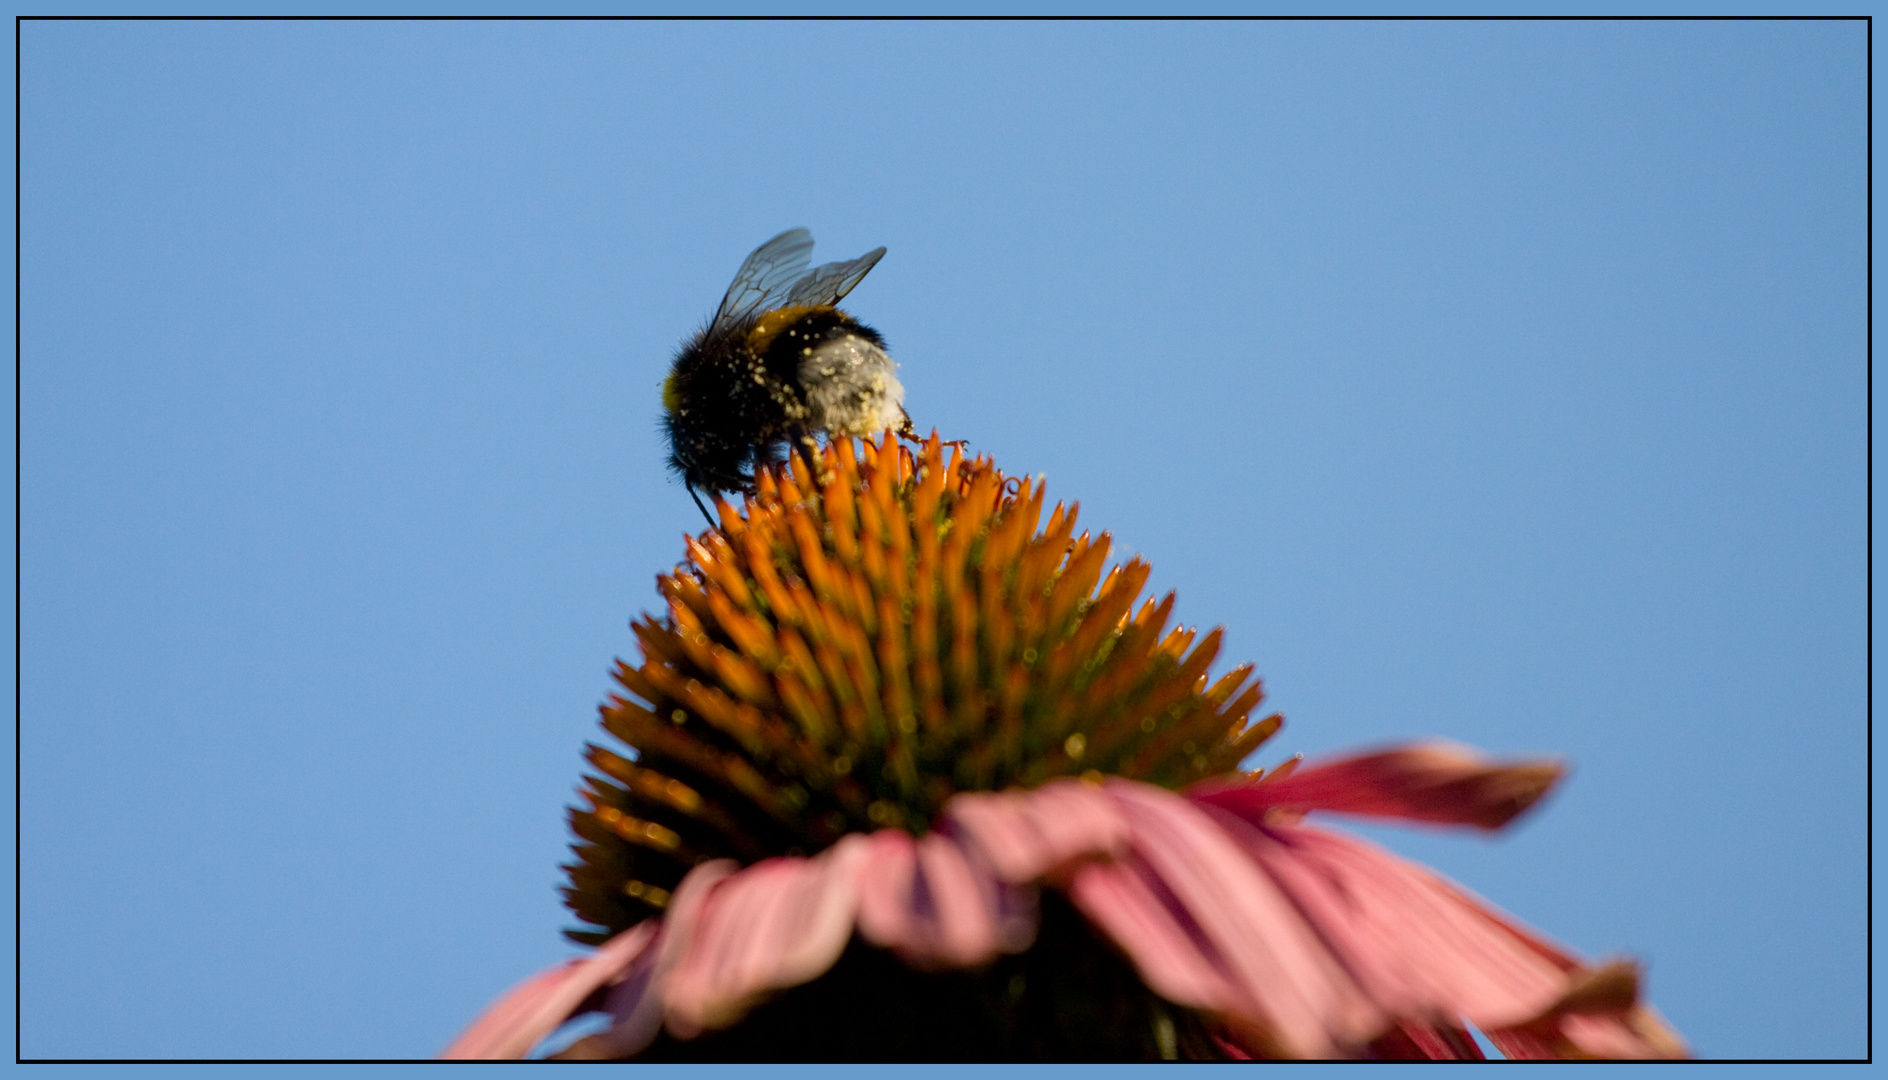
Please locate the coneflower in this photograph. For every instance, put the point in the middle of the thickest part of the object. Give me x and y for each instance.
(888, 703)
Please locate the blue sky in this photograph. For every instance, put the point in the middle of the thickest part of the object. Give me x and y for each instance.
(1504, 382)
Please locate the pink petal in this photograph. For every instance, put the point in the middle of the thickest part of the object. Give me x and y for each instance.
(886, 882)
(938, 906)
(1635, 1035)
(1430, 782)
(785, 921)
(1027, 835)
(1303, 943)
(1124, 905)
(1421, 949)
(1411, 1041)
(1431, 951)
(1222, 915)
(1598, 1017)
(962, 907)
(538, 1006)
(639, 1001)
(776, 924)
(1311, 944)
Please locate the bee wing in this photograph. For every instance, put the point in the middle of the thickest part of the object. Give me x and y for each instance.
(827, 284)
(767, 274)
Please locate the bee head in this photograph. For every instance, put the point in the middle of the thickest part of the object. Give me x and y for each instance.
(707, 449)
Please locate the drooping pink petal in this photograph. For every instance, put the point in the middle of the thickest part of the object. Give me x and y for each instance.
(1222, 914)
(1421, 949)
(1436, 782)
(1431, 951)
(1312, 944)
(1635, 1034)
(1158, 937)
(1026, 835)
(1301, 942)
(885, 910)
(639, 1001)
(938, 906)
(1411, 1041)
(538, 1006)
(785, 921)
(949, 923)
(1598, 1017)
(778, 923)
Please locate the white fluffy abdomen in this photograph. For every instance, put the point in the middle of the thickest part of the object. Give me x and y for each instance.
(852, 388)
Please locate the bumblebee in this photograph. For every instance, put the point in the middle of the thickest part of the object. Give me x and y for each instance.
(778, 364)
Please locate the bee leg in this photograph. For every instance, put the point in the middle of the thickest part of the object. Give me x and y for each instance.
(698, 505)
(910, 434)
(815, 460)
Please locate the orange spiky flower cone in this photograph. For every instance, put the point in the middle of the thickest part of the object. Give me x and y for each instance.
(877, 632)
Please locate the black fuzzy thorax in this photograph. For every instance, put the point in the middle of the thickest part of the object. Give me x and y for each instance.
(809, 332)
(736, 411)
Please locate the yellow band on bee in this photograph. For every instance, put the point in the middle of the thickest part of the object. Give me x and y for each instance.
(768, 326)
